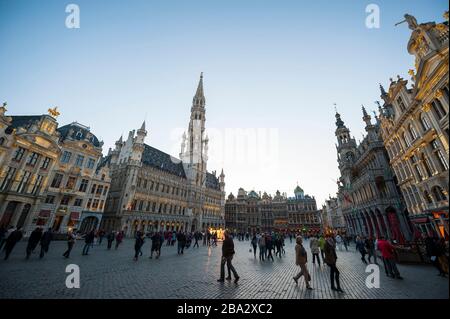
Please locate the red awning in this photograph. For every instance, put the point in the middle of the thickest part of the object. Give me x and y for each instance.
(75, 215)
(44, 213)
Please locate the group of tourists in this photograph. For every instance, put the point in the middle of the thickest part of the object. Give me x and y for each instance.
(268, 243)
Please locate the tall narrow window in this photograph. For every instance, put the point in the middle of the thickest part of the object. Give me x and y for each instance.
(66, 157)
(32, 159)
(425, 123)
(401, 104)
(441, 159)
(46, 163)
(57, 180)
(79, 161)
(19, 154)
(23, 182)
(37, 185)
(439, 109)
(412, 131)
(8, 178)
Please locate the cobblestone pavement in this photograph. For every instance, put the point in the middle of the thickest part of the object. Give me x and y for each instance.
(113, 274)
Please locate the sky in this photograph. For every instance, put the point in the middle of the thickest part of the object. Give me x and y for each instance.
(272, 72)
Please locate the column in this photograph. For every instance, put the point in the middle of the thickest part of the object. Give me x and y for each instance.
(3, 208)
(388, 227)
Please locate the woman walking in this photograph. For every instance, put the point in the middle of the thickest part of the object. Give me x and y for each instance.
(119, 239)
(301, 258)
(330, 260)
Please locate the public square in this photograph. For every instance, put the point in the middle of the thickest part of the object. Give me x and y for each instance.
(114, 274)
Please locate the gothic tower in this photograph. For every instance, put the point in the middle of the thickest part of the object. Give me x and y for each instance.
(194, 146)
(346, 149)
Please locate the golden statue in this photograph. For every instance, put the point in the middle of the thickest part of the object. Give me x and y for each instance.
(54, 112)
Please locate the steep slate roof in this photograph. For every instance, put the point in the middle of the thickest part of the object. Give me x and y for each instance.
(65, 130)
(162, 161)
(212, 181)
(24, 121)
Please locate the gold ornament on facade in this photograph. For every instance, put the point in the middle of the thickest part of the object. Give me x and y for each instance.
(441, 27)
(445, 15)
(426, 107)
(54, 112)
(411, 72)
(438, 94)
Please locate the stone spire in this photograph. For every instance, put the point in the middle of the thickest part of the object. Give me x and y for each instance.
(383, 91)
(199, 98)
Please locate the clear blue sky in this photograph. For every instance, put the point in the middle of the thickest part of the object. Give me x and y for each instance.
(267, 64)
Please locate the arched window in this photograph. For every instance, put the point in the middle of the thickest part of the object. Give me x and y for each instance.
(439, 109)
(412, 132)
(427, 197)
(425, 122)
(438, 193)
(405, 138)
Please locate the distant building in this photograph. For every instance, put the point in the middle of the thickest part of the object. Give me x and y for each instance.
(251, 212)
(334, 217)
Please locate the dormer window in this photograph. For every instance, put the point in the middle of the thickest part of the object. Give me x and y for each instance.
(79, 135)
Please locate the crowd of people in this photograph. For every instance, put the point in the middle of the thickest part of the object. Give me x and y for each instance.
(262, 245)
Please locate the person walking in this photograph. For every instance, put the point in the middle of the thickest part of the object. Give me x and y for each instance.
(156, 244)
(70, 242)
(227, 256)
(322, 247)
(330, 260)
(46, 239)
(262, 247)
(138, 245)
(388, 254)
(11, 241)
(196, 238)
(119, 238)
(301, 259)
(269, 247)
(33, 241)
(101, 234)
(360, 246)
(314, 246)
(339, 242)
(254, 244)
(89, 240)
(110, 238)
(370, 246)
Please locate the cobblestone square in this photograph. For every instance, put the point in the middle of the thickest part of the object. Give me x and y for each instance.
(114, 274)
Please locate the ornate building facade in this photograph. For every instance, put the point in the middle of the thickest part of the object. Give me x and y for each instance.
(78, 186)
(415, 128)
(252, 212)
(46, 173)
(28, 151)
(371, 201)
(151, 190)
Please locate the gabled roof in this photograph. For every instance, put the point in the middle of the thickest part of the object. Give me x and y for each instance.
(24, 120)
(162, 161)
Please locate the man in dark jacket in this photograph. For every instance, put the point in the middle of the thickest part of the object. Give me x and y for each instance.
(330, 260)
(12, 240)
(46, 238)
(227, 257)
(111, 236)
(33, 241)
(88, 242)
